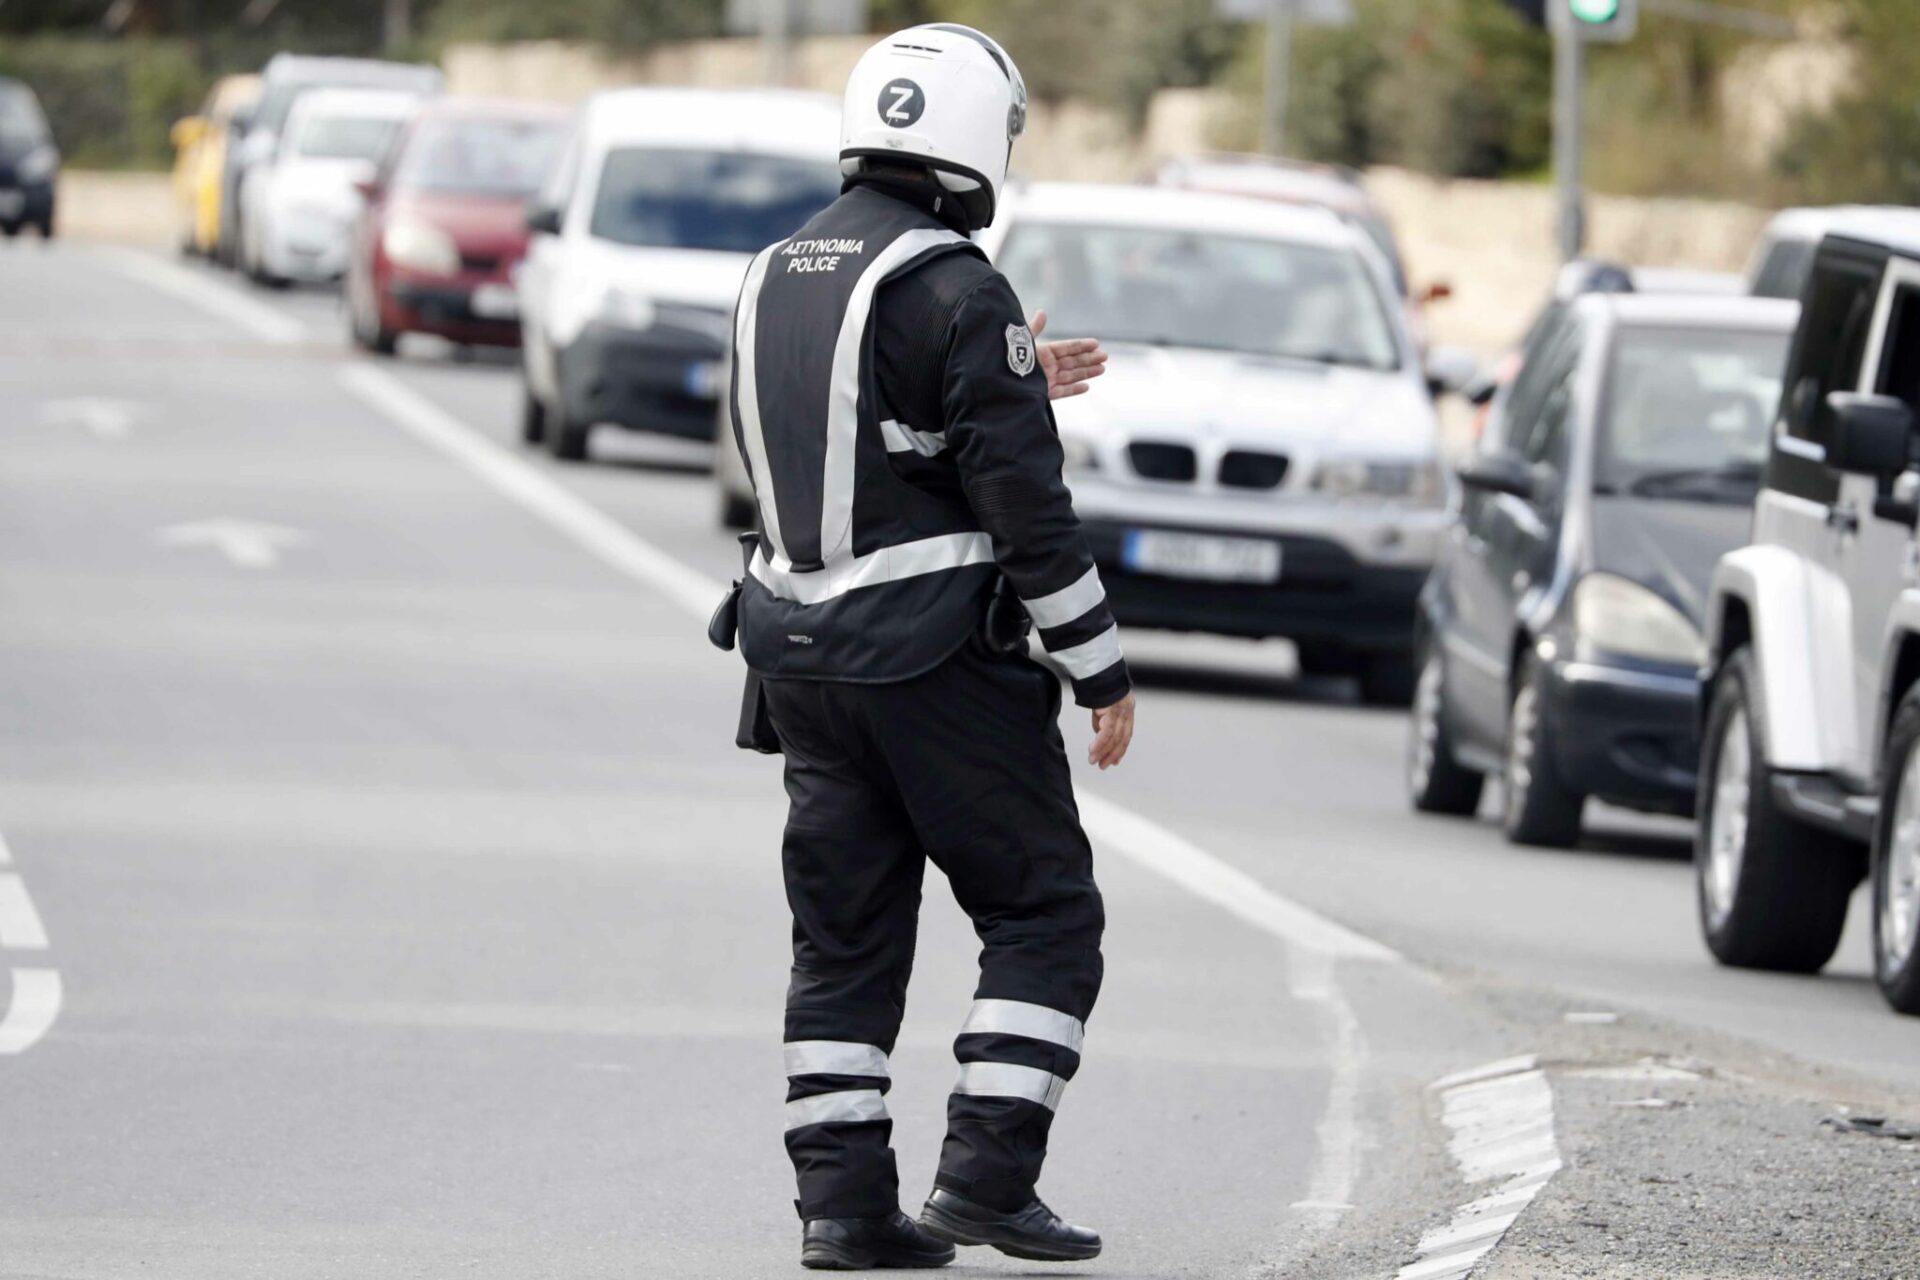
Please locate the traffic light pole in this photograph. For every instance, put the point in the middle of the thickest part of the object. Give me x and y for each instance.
(1273, 115)
(1569, 74)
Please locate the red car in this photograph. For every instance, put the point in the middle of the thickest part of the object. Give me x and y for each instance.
(445, 224)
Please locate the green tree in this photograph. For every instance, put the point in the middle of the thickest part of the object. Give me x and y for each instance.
(1867, 146)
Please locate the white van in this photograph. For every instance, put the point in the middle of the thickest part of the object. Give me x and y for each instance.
(639, 246)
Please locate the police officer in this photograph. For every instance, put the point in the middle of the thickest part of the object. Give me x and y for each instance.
(892, 407)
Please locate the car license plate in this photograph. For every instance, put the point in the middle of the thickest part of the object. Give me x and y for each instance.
(1201, 556)
(12, 203)
(496, 302)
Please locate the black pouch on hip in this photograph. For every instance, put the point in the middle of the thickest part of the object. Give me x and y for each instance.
(755, 731)
(1006, 626)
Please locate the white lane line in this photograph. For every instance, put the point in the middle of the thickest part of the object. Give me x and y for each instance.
(20, 927)
(1501, 1119)
(35, 1006)
(1314, 943)
(257, 318)
(590, 528)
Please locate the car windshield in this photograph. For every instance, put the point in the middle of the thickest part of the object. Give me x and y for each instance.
(1687, 412)
(1175, 287)
(478, 157)
(21, 124)
(346, 137)
(730, 201)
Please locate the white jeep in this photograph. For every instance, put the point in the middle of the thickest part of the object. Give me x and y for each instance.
(1810, 776)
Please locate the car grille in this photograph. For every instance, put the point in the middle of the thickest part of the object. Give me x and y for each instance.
(480, 262)
(1178, 464)
(1163, 461)
(1246, 469)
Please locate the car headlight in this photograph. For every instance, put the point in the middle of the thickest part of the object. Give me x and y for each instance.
(1418, 481)
(37, 165)
(625, 308)
(1615, 615)
(419, 247)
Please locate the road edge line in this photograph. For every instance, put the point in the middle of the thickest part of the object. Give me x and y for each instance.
(256, 317)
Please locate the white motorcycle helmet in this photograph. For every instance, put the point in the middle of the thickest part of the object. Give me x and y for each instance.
(943, 96)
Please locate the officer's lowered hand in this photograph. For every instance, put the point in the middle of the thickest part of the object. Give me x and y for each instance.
(1069, 362)
(1112, 732)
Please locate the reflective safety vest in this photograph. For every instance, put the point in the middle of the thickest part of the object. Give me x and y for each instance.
(881, 537)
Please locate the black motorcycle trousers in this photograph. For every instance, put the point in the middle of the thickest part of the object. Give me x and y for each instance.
(963, 766)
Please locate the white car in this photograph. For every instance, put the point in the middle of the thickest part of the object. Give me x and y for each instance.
(1262, 456)
(1810, 773)
(639, 246)
(300, 207)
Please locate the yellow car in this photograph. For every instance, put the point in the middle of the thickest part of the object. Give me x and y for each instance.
(200, 144)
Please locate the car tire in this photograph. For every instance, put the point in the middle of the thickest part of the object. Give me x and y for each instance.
(1772, 891)
(1540, 808)
(533, 417)
(1436, 782)
(736, 512)
(566, 440)
(368, 333)
(1896, 863)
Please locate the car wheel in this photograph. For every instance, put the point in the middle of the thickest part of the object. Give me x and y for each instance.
(736, 512)
(1896, 864)
(533, 417)
(566, 440)
(1772, 891)
(9, 229)
(1540, 808)
(364, 318)
(1435, 780)
(1387, 679)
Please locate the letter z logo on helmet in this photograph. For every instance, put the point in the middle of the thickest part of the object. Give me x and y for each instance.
(901, 103)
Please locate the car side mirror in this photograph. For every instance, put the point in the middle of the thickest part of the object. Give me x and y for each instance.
(1507, 473)
(1451, 369)
(241, 120)
(543, 219)
(186, 132)
(1872, 435)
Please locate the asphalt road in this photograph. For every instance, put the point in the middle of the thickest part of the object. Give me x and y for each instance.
(370, 781)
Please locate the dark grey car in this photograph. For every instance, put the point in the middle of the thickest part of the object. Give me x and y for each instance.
(1561, 628)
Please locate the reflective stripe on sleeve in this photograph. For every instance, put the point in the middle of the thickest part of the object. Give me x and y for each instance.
(745, 326)
(1006, 1080)
(1063, 606)
(1091, 658)
(1033, 1021)
(850, 1106)
(902, 438)
(834, 1058)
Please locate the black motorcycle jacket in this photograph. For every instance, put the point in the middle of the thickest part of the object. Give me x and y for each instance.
(888, 401)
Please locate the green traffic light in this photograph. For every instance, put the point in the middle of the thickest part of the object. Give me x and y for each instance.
(1595, 11)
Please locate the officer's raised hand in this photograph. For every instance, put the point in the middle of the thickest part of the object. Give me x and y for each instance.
(1068, 363)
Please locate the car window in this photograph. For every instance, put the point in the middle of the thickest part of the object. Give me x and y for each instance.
(345, 137)
(21, 124)
(1831, 343)
(1546, 360)
(1783, 269)
(478, 156)
(1686, 411)
(1899, 373)
(1546, 438)
(731, 201)
(1171, 286)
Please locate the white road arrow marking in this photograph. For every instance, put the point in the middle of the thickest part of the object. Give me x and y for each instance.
(250, 544)
(108, 419)
(20, 927)
(35, 1005)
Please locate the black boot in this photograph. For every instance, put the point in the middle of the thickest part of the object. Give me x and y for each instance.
(1035, 1232)
(860, 1244)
